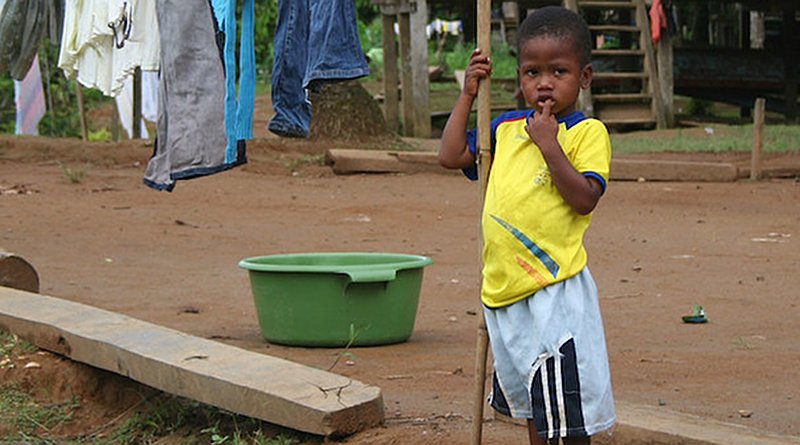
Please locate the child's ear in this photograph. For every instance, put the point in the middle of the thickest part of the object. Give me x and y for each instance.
(586, 76)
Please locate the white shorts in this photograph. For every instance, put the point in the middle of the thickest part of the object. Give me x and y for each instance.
(550, 360)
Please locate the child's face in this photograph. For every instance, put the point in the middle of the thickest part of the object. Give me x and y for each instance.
(550, 70)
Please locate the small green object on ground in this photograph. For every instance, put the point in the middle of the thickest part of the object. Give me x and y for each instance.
(336, 299)
(698, 315)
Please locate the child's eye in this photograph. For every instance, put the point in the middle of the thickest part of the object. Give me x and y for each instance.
(560, 71)
(531, 72)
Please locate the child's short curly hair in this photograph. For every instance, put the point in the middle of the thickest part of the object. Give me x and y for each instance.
(558, 22)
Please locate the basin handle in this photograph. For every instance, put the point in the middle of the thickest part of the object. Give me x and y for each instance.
(371, 275)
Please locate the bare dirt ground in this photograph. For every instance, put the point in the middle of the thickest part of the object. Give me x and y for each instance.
(655, 249)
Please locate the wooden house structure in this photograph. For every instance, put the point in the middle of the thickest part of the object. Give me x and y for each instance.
(635, 80)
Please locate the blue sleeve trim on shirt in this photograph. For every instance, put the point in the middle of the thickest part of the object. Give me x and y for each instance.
(471, 172)
(598, 178)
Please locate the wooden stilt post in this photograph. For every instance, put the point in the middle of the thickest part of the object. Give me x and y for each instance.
(81, 111)
(407, 96)
(137, 104)
(758, 139)
(390, 78)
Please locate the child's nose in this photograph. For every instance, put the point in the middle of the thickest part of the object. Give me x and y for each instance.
(545, 82)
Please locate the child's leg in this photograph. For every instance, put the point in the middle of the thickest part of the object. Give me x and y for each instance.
(534, 438)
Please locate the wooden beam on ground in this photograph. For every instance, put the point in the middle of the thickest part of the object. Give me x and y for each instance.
(17, 273)
(690, 171)
(349, 161)
(252, 384)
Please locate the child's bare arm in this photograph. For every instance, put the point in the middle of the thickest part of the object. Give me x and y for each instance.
(580, 192)
(453, 152)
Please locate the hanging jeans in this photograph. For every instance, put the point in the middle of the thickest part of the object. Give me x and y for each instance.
(315, 41)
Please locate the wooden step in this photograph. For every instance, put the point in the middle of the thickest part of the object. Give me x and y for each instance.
(624, 97)
(617, 52)
(606, 4)
(619, 75)
(643, 122)
(623, 28)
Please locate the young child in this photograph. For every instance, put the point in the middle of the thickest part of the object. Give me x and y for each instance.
(549, 169)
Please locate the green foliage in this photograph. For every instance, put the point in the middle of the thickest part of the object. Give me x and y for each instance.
(700, 107)
(266, 18)
(7, 107)
(504, 64)
(61, 118)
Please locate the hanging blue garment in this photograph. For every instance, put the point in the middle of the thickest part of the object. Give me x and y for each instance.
(202, 122)
(238, 110)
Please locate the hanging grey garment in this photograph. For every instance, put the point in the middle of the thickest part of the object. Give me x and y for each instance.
(22, 25)
(191, 138)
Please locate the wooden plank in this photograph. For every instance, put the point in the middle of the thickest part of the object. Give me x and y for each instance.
(347, 161)
(623, 28)
(241, 381)
(605, 75)
(617, 52)
(606, 4)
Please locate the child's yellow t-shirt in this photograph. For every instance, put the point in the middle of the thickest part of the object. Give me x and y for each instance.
(532, 237)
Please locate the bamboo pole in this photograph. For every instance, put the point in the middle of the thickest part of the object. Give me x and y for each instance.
(758, 139)
(484, 15)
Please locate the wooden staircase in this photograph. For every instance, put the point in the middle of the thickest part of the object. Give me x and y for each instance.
(625, 93)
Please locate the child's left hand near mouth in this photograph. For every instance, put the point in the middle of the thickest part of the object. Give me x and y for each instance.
(542, 127)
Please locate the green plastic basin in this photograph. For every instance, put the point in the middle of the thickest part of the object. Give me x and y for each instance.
(336, 299)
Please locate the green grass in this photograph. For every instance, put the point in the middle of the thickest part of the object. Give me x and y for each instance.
(709, 138)
(20, 413)
(26, 417)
